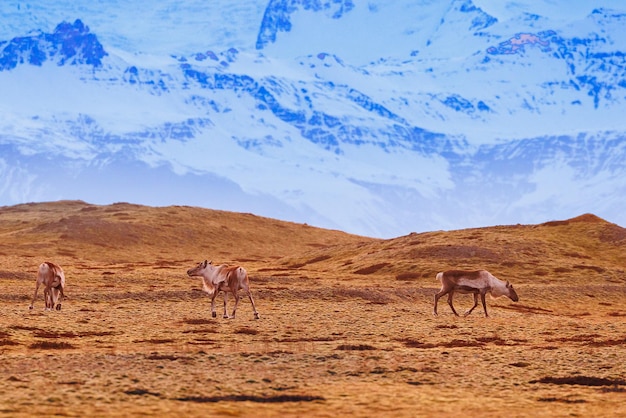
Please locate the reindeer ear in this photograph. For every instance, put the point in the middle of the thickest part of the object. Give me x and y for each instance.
(204, 263)
(211, 262)
(508, 284)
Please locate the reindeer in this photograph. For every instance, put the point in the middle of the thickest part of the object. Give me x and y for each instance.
(51, 276)
(224, 278)
(478, 282)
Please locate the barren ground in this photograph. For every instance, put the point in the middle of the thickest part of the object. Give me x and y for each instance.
(346, 322)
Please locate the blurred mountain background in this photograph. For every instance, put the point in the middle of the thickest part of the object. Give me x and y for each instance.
(376, 118)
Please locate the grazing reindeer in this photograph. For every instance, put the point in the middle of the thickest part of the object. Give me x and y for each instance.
(478, 282)
(224, 278)
(51, 276)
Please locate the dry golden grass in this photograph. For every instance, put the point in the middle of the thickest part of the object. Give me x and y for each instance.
(346, 324)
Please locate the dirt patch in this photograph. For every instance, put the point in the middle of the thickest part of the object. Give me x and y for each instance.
(307, 339)
(455, 252)
(597, 269)
(203, 341)
(51, 345)
(247, 331)
(580, 380)
(95, 230)
(371, 269)
(169, 357)
(373, 296)
(142, 392)
(562, 400)
(613, 389)
(199, 321)
(81, 334)
(318, 259)
(496, 340)
(413, 343)
(577, 338)
(358, 347)
(251, 398)
(156, 341)
(408, 276)
(520, 364)
(25, 328)
(608, 343)
(613, 233)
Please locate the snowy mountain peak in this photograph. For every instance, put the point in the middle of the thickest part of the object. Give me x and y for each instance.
(277, 16)
(470, 17)
(70, 43)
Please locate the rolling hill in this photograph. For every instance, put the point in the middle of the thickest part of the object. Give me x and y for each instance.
(128, 233)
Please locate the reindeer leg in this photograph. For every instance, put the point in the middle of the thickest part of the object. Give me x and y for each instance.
(60, 298)
(236, 294)
(32, 303)
(225, 302)
(213, 311)
(47, 297)
(256, 313)
(51, 298)
(441, 293)
(482, 298)
(450, 295)
(54, 296)
(475, 305)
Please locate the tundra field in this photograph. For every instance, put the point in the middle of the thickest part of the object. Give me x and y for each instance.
(346, 324)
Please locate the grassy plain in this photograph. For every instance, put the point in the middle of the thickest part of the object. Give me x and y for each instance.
(346, 322)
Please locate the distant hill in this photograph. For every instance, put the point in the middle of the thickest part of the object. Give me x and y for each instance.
(123, 233)
(580, 248)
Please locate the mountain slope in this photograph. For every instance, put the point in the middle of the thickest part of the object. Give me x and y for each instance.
(458, 114)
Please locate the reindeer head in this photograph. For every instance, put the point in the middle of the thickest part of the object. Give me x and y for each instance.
(512, 293)
(197, 270)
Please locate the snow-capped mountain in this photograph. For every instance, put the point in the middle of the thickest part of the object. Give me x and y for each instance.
(377, 118)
